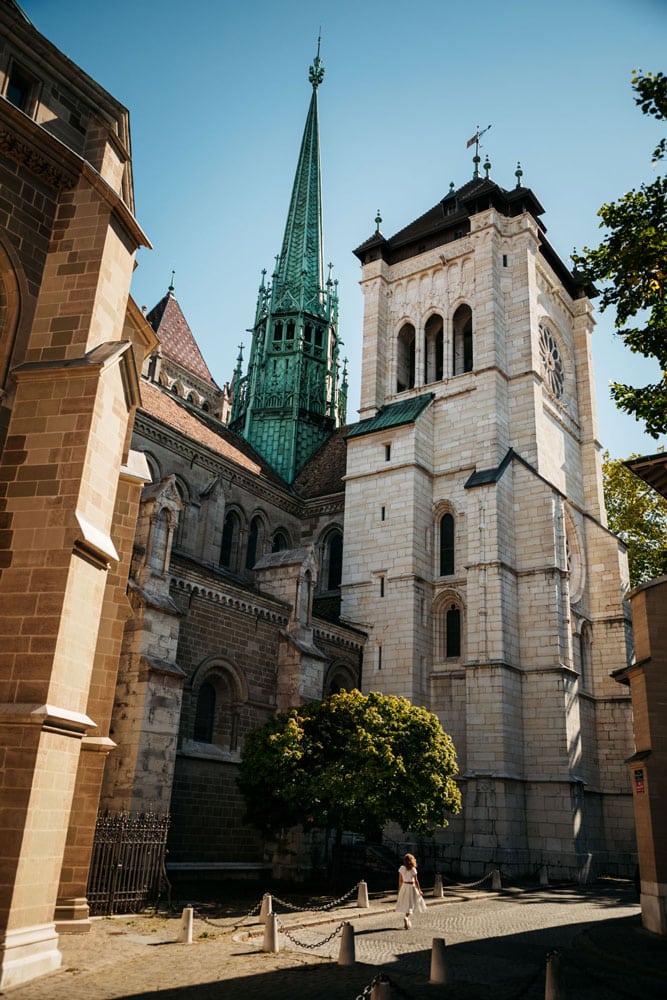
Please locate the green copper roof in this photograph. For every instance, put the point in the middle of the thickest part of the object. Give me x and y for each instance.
(301, 264)
(393, 415)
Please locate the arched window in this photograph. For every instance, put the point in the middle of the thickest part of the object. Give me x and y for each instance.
(160, 540)
(205, 714)
(181, 528)
(277, 332)
(405, 358)
(254, 538)
(230, 541)
(433, 343)
(280, 541)
(462, 338)
(448, 626)
(453, 632)
(585, 656)
(335, 560)
(446, 545)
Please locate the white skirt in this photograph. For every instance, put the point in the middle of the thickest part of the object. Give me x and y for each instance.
(407, 898)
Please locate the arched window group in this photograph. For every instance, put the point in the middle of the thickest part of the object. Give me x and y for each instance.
(432, 356)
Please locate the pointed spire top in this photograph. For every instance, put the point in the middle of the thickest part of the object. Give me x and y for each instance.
(316, 71)
(378, 221)
(170, 290)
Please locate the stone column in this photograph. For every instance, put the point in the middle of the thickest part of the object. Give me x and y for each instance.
(59, 473)
(72, 909)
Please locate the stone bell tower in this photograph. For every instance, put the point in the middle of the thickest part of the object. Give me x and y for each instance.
(476, 548)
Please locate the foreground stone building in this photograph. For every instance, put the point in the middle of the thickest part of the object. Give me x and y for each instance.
(165, 589)
(72, 345)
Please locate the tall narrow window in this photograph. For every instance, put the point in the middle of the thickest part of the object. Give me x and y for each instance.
(335, 562)
(253, 542)
(381, 586)
(205, 714)
(462, 331)
(405, 358)
(230, 541)
(453, 627)
(433, 342)
(446, 545)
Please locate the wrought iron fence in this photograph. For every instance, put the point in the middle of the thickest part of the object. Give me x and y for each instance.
(127, 870)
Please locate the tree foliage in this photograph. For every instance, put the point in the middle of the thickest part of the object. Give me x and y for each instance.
(351, 762)
(638, 515)
(631, 266)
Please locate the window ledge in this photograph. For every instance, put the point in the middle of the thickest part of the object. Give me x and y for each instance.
(209, 751)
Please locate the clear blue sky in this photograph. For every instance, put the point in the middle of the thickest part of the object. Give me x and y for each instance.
(218, 93)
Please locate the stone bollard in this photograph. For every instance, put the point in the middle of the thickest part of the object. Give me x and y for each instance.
(185, 931)
(496, 884)
(381, 990)
(544, 875)
(438, 964)
(362, 896)
(552, 982)
(346, 954)
(270, 942)
(437, 887)
(267, 907)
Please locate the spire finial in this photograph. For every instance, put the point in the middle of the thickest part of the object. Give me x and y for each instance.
(518, 173)
(487, 168)
(476, 143)
(316, 71)
(171, 283)
(451, 187)
(378, 221)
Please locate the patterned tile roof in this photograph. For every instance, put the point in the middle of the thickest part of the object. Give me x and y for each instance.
(176, 413)
(177, 339)
(323, 473)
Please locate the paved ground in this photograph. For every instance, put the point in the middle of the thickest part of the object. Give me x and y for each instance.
(496, 947)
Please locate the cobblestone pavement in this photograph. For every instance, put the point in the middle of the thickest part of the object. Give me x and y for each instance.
(496, 947)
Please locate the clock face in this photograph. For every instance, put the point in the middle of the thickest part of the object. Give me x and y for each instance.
(552, 363)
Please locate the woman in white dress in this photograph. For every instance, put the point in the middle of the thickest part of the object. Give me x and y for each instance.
(409, 890)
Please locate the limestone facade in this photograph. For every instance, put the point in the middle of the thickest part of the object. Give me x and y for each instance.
(476, 551)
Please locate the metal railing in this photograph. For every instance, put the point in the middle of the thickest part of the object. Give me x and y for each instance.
(127, 868)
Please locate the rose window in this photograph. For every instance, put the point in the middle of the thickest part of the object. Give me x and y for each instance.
(552, 363)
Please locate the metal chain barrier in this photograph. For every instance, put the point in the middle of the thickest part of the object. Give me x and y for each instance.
(367, 990)
(207, 920)
(467, 885)
(317, 909)
(304, 944)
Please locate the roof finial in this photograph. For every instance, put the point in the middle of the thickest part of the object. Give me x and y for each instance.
(487, 168)
(475, 141)
(171, 284)
(316, 71)
(518, 173)
(378, 221)
(451, 188)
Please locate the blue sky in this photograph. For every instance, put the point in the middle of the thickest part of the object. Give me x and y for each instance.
(218, 94)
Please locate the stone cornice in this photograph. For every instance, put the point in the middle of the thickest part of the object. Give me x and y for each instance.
(217, 593)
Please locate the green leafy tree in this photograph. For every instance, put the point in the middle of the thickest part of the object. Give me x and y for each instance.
(638, 515)
(351, 762)
(631, 266)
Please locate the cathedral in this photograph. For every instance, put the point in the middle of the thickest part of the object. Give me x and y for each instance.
(181, 559)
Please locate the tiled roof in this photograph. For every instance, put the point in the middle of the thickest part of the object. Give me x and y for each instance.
(176, 337)
(393, 415)
(175, 413)
(323, 473)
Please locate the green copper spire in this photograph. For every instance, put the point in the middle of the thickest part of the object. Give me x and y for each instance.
(301, 261)
(292, 399)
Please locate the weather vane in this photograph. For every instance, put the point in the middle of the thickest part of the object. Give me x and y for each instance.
(475, 141)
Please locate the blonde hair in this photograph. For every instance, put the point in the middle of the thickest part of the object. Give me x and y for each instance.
(410, 861)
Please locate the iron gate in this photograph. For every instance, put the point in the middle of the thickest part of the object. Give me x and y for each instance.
(127, 868)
